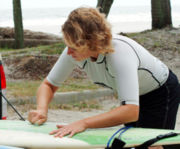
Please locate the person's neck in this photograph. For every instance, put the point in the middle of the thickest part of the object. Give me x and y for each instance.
(93, 59)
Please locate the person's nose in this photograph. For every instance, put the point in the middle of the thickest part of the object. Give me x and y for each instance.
(70, 51)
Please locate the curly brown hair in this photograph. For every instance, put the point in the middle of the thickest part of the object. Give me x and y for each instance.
(87, 28)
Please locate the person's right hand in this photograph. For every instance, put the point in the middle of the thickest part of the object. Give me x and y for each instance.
(37, 117)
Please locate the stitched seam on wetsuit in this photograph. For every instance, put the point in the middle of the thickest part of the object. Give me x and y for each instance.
(123, 102)
(102, 84)
(132, 48)
(102, 60)
(84, 65)
(107, 69)
(151, 74)
(167, 107)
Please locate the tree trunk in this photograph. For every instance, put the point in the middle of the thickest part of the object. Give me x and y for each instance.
(161, 14)
(105, 6)
(167, 12)
(18, 25)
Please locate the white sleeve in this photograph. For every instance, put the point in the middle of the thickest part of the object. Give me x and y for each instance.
(61, 70)
(124, 63)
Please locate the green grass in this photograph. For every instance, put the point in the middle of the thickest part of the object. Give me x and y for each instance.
(21, 89)
(78, 105)
(6, 49)
(48, 49)
(52, 49)
(77, 85)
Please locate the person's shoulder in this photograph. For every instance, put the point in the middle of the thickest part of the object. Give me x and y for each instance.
(64, 57)
(121, 43)
(121, 38)
(123, 49)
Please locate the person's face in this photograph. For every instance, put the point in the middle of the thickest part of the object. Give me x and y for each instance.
(81, 55)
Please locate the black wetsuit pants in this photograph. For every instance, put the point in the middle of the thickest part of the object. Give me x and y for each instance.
(158, 109)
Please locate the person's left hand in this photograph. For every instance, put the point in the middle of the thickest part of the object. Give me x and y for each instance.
(70, 129)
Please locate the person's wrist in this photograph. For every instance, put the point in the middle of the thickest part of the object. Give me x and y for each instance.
(42, 110)
(85, 123)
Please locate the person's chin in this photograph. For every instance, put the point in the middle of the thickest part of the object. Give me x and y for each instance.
(79, 59)
(74, 57)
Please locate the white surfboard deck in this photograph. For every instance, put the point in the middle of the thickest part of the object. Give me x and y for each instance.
(25, 135)
(9, 147)
(34, 140)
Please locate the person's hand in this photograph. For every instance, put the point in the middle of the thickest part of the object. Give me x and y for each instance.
(37, 117)
(70, 129)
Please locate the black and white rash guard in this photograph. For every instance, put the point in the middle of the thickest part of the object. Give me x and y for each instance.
(130, 70)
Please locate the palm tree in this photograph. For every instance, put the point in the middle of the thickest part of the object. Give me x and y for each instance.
(18, 25)
(161, 14)
(105, 6)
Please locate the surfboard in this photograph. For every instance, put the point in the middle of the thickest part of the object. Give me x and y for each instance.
(25, 135)
(9, 147)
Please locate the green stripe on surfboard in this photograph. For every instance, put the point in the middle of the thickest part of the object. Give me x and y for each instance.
(132, 136)
(26, 126)
(138, 136)
(91, 136)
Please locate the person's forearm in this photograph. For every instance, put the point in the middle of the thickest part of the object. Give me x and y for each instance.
(44, 95)
(117, 116)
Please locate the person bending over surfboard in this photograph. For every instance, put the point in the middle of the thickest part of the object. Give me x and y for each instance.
(148, 92)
